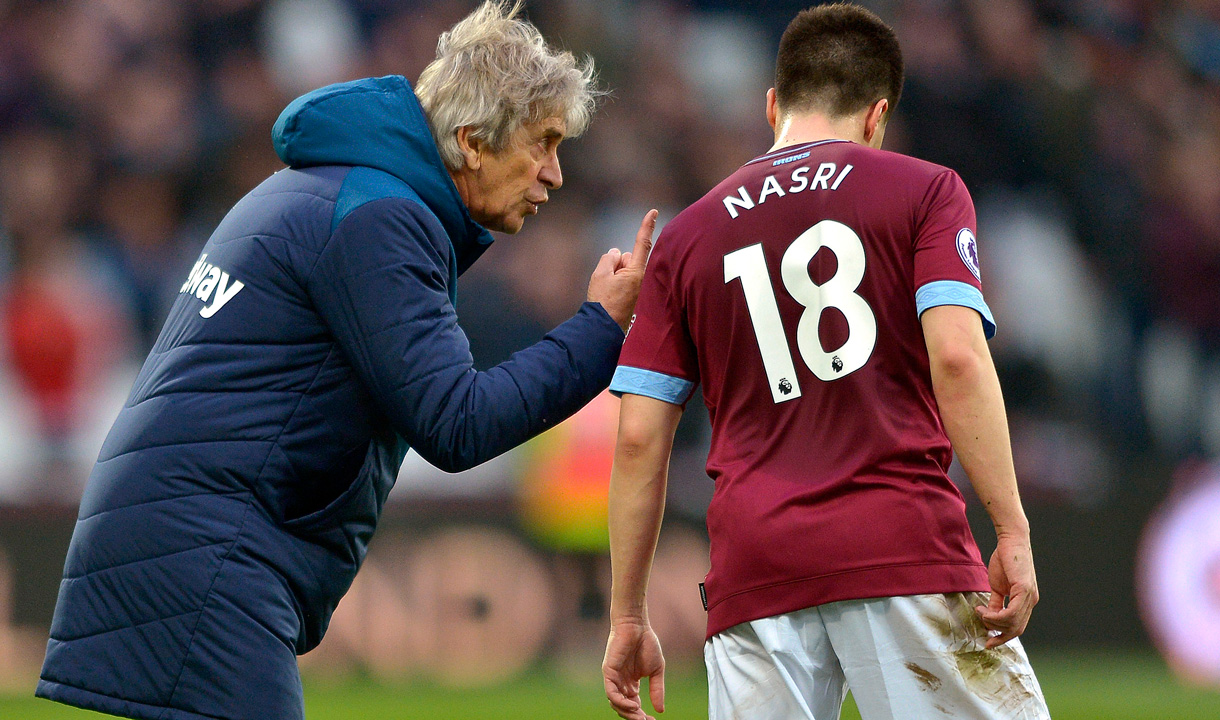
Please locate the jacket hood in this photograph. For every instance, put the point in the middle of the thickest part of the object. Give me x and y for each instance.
(378, 123)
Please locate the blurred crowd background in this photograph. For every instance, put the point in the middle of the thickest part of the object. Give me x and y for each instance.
(1088, 132)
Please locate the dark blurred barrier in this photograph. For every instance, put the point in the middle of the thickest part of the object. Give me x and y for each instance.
(475, 588)
(33, 542)
(468, 605)
(442, 596)
(457, 594)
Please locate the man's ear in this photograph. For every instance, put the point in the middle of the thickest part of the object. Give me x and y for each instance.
(772, 108)
(874, 119)
(471, 147)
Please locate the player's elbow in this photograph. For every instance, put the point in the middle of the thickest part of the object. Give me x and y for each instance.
(645, 430)
(636, 440)
(632, 446)
(956, 362)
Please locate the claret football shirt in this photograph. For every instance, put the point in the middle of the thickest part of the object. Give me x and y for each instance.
(792, 292)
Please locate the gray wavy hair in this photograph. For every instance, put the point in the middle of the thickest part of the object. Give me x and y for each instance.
(495, 73)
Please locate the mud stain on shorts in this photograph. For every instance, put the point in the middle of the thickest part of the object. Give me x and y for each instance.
(928, 682)
(997, 676)
(998, 683)
(977, 667)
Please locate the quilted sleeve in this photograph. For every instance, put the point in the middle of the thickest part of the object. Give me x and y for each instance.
(381, 286)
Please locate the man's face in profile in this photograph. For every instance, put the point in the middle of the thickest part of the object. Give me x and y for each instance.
(513, 182)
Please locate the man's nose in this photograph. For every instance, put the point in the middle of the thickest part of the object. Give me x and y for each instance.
(550, 174)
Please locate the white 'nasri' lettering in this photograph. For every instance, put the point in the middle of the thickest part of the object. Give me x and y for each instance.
(846, 169)
(798, 176)
(821, 180)
(825, 172)
(744, 201)
(770, 187)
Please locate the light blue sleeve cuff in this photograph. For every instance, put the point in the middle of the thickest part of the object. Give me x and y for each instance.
(659, 386)
(952, 292)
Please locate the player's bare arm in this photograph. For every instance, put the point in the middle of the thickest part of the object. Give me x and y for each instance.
(972, 408)
(637, 501)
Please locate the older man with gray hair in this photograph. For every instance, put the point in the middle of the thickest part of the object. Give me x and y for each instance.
(312, 343)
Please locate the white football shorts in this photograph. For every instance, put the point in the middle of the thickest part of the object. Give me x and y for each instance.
(903, 658)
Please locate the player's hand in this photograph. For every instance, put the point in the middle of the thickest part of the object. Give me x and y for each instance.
(616, 280)
(633, 652)
(1011, 573)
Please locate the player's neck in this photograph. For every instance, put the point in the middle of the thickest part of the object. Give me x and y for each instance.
(798, 129)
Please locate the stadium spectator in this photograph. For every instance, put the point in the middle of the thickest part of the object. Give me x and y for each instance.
(62, 326)
(313, 341)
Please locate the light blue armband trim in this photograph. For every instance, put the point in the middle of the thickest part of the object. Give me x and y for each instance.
(952, 292)
(659, 386)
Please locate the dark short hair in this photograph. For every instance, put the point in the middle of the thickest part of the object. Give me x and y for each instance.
(837, 58)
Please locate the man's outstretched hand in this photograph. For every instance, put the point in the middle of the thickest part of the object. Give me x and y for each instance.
(616, 280)
(633, 652)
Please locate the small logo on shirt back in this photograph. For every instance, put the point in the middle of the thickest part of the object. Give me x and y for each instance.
(790, 159)
(836, 363)
(968, 250)
(785, 386)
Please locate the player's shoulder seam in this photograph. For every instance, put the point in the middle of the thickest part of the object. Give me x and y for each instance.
(933, 170)
(935, 181)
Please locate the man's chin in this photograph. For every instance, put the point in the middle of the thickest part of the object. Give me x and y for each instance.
(509, 226)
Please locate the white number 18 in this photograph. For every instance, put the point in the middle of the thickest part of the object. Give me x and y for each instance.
(750, 265)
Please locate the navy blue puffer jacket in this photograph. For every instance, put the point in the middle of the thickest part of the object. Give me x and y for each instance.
(314, 340)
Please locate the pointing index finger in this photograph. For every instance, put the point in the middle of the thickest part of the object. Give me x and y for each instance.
(643, 239)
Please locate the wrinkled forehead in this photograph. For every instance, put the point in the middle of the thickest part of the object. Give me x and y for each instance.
(548, 127)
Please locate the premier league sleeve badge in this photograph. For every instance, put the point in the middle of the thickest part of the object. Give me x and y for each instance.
(967, 248)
